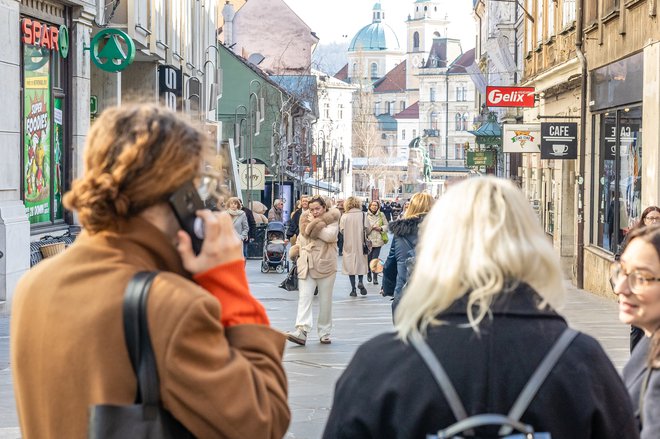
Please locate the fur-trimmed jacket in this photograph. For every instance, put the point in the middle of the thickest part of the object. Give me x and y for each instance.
(316, 247)
(395, 272)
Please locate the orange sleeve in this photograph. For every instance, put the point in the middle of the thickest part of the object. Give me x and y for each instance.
(228, 283)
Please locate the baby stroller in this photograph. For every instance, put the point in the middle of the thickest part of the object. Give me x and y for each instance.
(275, 252)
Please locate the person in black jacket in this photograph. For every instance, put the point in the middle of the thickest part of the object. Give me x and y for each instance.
(402, 250)
(294, 223)
(483, 297)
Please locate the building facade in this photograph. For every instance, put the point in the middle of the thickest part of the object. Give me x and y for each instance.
(45, 118)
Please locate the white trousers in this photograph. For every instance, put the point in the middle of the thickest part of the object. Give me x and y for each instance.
(305, 319)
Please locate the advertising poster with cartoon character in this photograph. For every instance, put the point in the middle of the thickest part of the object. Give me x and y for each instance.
(36, 143)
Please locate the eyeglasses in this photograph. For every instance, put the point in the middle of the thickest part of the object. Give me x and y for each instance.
(636, 280)
(652, 219)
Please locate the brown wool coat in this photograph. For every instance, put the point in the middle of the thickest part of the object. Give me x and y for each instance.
(353, 224)
(68, 349)
(316, 246)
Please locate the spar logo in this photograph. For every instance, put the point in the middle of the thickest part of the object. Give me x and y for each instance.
(522, 137)
(497, 96)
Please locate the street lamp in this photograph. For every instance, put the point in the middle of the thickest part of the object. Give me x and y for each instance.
(255, 117)
(238, 128)
(320, 146)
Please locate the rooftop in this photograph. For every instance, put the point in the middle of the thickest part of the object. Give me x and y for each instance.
(393, 81)
(411, 112)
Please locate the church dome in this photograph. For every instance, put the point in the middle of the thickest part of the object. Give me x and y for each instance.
(377, 36)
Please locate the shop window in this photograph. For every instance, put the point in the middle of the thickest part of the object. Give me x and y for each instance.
(44, 141)
(619, 178)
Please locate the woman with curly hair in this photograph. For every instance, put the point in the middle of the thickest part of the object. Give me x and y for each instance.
(211, 338)
(315, 254)
(354, 225)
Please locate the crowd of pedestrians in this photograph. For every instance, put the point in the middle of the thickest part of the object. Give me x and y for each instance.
(476, 287)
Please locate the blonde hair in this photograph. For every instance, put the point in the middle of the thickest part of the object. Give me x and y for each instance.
(135, 157)
(480, 240)
(420, 204)
(352, 203)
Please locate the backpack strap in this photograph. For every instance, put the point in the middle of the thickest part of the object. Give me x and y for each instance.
(440, 377)
(538, 377)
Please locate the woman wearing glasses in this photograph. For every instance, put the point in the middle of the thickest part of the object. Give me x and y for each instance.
(650, 216)
(636, 281)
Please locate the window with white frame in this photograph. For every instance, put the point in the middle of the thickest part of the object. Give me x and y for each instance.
(465, 121)
(528, 28)
(459, 151)
(340, 111)
(461, 92)
(434, 120)
(414, 134)
(568, 13)
(403, 134)
(326, 110)
(374, 70)
(458, 122)
(432, 94)
(539, 21)
(187, 31)
(142, 17)
(551, 18)
(175, 40)
(377, 108)
(160, 19)
(392, 108)
(403, 105)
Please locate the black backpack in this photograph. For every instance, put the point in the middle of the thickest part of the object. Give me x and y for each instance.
(508, 422)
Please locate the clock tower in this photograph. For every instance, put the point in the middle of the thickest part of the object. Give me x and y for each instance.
(429, 20)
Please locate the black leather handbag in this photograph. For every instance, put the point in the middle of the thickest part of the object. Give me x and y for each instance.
(146, 419)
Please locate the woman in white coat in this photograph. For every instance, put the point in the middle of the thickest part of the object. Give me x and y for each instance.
(353, 225)
(377, 231)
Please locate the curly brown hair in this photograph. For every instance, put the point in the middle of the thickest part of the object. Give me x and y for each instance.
(135, 157)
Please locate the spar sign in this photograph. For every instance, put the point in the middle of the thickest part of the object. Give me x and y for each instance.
(497, 96)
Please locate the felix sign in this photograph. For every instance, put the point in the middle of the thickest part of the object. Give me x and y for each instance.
(559, 140)
(497, 96)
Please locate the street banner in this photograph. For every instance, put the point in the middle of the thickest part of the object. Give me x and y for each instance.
(521, 138)
(559, 140)
(170, 86)
(36, 137)
(499, 96)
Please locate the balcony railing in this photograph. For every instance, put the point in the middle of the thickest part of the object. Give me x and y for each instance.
(432, 133)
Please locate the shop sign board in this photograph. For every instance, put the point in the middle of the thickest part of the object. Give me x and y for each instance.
(42, 35)
(36, 141)
(112, 50)
(480, 158)
(258, 176)
(521, 138)
(170, 86)
(500, 96)
(559, 140)
(628, 135)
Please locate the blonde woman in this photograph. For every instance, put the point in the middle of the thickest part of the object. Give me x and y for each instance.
(483, 298)
(353, 225)
(405, 232)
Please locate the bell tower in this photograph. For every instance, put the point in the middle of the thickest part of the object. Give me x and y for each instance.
(429, 20)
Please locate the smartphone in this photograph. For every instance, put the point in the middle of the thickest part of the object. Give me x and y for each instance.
(185, 203)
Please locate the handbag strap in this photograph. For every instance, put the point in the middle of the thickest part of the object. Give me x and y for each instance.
(525, 397)
(642, 393)
(138, 341)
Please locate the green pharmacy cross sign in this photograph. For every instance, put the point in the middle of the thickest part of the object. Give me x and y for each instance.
(112, 50)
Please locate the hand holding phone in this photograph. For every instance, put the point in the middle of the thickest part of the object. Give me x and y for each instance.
(221, 243)
(185, 203)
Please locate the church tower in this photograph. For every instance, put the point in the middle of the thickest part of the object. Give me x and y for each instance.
(429, 20)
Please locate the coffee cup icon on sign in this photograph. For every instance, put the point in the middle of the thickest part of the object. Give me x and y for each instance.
(559, 149)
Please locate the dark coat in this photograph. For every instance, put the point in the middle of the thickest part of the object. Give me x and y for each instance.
(395, 272)
(293, 228)
(252, 224)
(388, 392)
(633, 374)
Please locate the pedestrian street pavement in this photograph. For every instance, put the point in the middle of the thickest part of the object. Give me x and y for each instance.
(312, 370)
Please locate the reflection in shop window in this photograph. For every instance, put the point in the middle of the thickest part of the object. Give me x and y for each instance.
(620, 179)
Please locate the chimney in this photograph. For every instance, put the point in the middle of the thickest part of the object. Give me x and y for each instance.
(228, 14)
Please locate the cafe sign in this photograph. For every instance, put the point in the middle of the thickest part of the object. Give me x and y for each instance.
(559, 140)
(480, 158)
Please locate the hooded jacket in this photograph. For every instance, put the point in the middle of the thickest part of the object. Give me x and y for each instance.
(316, 248)
(395, 272)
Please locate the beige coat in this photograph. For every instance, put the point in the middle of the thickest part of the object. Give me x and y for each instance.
(352, 225)
(377, 220)
(258, 210)
(68, 350)
(316, 246)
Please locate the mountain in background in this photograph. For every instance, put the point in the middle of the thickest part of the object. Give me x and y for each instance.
(330, 58)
